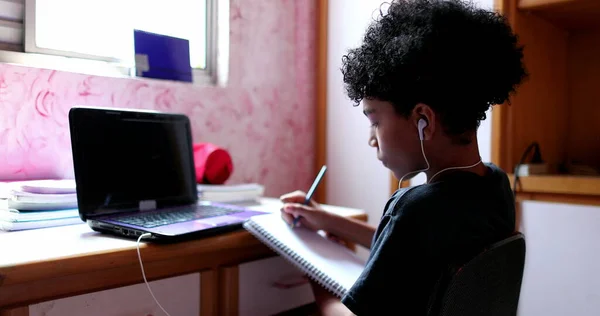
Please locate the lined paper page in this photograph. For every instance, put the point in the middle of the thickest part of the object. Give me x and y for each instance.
(309, 250)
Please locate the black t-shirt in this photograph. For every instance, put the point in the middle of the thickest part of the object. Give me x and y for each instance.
(425, 230)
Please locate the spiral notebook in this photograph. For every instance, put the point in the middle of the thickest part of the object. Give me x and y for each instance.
(328, 263)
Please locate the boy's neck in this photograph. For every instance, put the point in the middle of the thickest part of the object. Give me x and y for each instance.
(455, 156)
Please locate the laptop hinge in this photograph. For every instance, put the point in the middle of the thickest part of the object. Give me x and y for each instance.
(147, 205)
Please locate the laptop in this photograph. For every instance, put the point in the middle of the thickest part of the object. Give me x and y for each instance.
(135, 174)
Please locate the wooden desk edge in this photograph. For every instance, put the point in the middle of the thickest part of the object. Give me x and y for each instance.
(37, 282)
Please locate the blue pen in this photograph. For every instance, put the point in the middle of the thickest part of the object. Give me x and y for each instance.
(310, 193)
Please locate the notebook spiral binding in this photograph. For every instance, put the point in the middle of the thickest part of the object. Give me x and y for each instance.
(314, 273)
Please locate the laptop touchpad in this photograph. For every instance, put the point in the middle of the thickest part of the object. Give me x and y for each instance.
(219, 220)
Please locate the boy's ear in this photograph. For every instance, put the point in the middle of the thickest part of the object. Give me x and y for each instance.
(424, 112)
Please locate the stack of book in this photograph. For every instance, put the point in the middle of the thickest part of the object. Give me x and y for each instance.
(38, 204)
(50, 203)
(236, 193)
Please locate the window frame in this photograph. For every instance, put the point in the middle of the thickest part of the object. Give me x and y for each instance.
(31, 55)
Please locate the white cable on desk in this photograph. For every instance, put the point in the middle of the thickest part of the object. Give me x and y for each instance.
(144, 274)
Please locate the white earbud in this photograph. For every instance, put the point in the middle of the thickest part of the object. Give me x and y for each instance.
(421, 126)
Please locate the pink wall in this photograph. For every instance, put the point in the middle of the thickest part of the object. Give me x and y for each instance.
(264, 116)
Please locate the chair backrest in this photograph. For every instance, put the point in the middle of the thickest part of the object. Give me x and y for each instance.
(489, 284)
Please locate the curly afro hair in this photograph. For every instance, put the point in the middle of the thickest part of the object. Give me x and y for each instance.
(457, 58)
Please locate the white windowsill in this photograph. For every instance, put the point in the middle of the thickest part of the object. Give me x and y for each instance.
(87, 66)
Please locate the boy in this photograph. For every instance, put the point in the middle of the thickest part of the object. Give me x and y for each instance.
(426, 73)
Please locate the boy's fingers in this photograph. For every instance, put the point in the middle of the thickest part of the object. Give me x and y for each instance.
(288, 218)
(293, 200)
(296, 209)
(304, 223)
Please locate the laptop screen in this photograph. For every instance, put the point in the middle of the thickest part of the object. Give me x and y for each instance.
(122, 158)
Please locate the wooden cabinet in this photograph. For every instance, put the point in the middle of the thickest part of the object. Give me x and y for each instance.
(271, 286)
(558, 105)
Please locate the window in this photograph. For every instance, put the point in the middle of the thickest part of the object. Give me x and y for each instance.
(101, 31)
(11, 24)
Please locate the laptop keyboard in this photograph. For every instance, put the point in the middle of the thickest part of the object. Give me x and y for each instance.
(167, 217)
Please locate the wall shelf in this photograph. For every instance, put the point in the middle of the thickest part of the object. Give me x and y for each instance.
(560, 184)
(557, 106)
(567, 189)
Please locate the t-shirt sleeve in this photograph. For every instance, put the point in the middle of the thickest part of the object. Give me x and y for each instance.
(396, 271)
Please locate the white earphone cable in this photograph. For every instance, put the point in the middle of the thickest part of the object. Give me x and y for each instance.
(463, 167)
(428, 166)
(144, 274)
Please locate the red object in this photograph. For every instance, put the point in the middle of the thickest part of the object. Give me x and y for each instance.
(213, 164)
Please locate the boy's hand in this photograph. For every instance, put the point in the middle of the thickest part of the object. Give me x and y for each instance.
(313, 216)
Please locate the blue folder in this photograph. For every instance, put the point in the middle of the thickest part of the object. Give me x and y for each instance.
(162, 57)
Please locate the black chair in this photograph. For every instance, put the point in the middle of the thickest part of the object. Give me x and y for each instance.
(487, 285)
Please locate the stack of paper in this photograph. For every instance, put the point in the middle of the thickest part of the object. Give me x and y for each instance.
(230, 193)
(38, 204)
